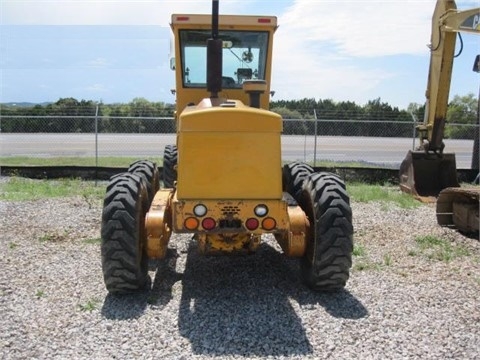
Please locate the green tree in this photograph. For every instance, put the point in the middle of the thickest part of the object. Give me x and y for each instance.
(461, 117)
(290, 127)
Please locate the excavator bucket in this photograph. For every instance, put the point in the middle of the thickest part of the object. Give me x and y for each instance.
(425, 174)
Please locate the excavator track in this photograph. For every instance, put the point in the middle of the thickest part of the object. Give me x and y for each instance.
(458, 208)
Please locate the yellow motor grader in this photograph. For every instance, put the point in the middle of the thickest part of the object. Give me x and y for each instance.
(429, 171)
(223, 179)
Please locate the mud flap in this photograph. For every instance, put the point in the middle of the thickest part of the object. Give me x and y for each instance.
(426, 174)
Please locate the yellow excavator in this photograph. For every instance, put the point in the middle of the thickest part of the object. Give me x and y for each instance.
(429, 171)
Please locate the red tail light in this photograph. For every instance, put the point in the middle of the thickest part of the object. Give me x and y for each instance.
(208, 224)
(251, 224)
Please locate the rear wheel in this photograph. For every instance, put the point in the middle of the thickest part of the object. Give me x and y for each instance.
(149, 172)
(328, 258)
(170, 166)
(124, 257)
(293, 176)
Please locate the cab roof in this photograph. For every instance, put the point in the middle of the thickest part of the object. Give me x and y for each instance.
(240, 20)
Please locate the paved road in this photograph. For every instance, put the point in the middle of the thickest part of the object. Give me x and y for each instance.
(388, 151)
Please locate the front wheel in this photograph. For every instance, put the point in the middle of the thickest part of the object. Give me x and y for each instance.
(124, 256)
(328, 259)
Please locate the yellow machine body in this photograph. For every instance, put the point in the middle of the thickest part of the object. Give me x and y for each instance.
(229, 152)
(223, 180)
(229, 168)
(229, 163)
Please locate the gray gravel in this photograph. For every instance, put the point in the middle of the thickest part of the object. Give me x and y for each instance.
(401, 301)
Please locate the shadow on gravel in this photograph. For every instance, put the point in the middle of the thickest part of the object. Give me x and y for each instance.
(245, 305)
(125, 307)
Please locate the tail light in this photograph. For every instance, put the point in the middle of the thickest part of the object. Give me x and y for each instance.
(208, 223)
(251, 224)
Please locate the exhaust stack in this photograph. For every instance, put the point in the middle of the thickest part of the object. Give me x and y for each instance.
(214, 56)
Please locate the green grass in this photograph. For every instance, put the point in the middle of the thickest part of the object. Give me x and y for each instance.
(386, 194)
(39, 294)
(90, 305)
(387, 260)
(109, 161)
(93, 241)
(440, 249)
(54, 237)
(367, 265)
(20, 189)
(358, 250)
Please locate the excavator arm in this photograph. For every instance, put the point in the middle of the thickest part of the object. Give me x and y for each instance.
(446, 23)
(429, 170)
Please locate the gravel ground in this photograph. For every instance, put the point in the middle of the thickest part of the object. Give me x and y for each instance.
(402, 300)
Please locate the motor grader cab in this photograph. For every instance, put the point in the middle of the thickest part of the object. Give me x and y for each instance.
(429, 171)
(223, 179)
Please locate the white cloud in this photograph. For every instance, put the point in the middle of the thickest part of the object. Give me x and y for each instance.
(362, 28)
(321, 47)
(97, 88)
(300, 71)
(99, 62)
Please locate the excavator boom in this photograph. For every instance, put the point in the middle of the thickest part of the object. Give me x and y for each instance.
(428, 170)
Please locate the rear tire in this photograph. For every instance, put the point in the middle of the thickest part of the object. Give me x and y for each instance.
(170, 157)
(124, 257)
(328, 258)
(293, 176)
(148, 170)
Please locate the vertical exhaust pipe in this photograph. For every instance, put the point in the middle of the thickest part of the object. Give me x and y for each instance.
(214, 56)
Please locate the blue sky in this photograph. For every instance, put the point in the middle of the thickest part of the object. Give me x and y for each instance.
(116, 50)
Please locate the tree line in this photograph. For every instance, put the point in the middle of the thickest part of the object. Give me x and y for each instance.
(375, 118)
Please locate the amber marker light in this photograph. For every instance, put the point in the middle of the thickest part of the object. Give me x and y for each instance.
(191, 223)
(269, 223)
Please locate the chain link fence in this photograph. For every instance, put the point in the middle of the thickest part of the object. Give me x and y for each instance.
(117, 141)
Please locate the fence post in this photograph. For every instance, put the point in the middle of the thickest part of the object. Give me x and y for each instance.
(315, 140)
(414, 122)
(96, 144)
